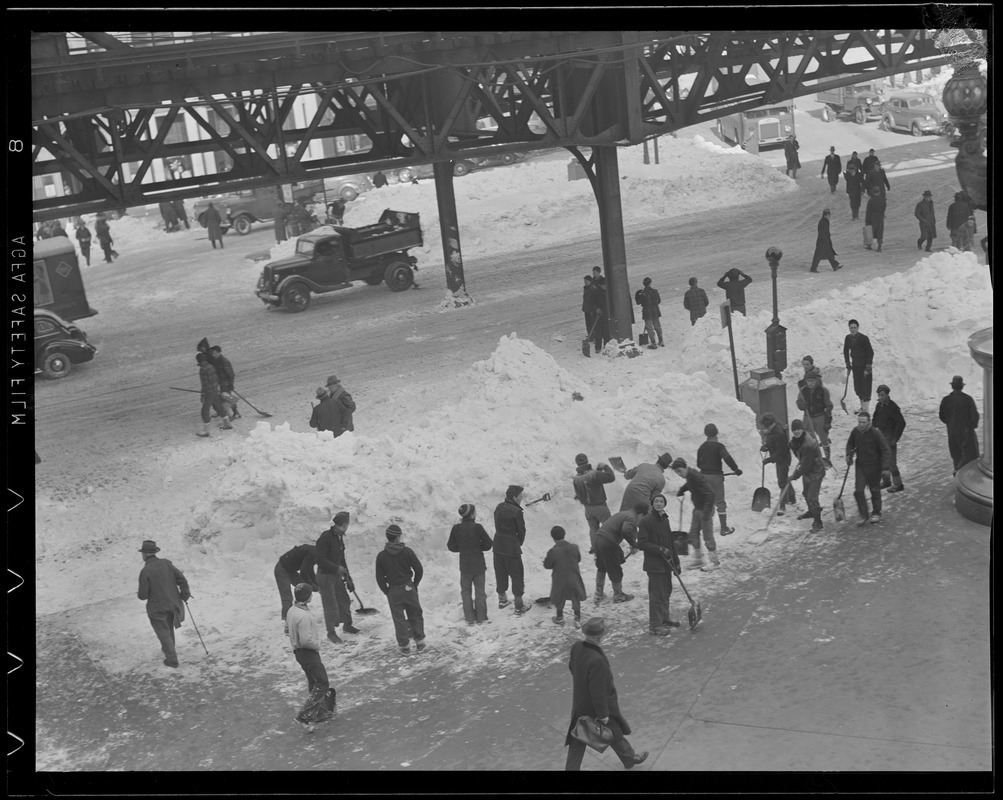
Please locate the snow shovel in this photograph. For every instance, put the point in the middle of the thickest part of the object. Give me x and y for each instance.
(838, 511)
(260, 412)
(761, 498)
(846, 388)
(545, 497)
(587, 341)
(617, 463)
(695, 614)
(362, 609)
(760, 536)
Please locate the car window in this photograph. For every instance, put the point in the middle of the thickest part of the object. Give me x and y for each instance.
(304, 247)
(43, 326)
(920, 101)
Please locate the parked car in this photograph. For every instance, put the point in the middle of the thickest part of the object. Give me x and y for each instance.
(916, 112)
(59, 345)
(461, 166)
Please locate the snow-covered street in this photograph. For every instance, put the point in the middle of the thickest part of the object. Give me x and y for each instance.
(812, 647)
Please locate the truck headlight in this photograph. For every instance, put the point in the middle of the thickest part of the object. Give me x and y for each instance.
(787, 128)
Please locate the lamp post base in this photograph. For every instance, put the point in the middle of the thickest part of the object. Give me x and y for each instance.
(974, 495)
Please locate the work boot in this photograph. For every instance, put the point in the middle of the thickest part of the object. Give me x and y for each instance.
(503, 600)
(898, 487)
(419, 646)
(864, 520)
(619, 596)
(816, 526)
(350, 628)
(520, 608)
(600, 586)
(806, 515)
(919, 244)
(405, 650)
(333, 637)
(712, 562)
(661, 630)
(725, 530)
(639, 758)
(661, 342)
(578, 620)
(558, 619)
(225, 424)
(203, 429)
(697, 561)
(782, 510)
(875, 518)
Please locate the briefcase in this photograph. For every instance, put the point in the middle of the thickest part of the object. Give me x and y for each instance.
(642, 338)
(868, 236)
(592, 733)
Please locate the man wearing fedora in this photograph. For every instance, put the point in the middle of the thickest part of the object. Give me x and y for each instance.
(594, 695)
(165, 590)
(959, 413)
(343, 407)
(927, 221)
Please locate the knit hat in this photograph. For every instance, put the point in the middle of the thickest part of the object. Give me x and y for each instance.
(797, 425)
(321, 391)
(646, 281)
(513, 491)
(581, 459)
(302, 592)
(341, 518)
(466, 511)
(595, 626)
(664, 460)
(958, 382)
(679, 463)
(588, 278)
(394, 532)
(693, 281)
(557, 533)
(710, 429)
(653, 499)
(883, 388)
(332, 379)
(768, 418)
(149, 546)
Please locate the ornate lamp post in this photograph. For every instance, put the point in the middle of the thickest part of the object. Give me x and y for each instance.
(966, 99)
(776, 334)
(765, 390)
(974, 482)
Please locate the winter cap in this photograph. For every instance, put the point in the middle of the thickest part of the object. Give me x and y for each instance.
(594, 626)
(581, 459)
(394, 532)
(812, 372)
(693, 281)
(588, 278)
(557, 533)
(216, 348)
(797, 425)
(853, 322)
(710, 429)
(768, 418)
(883, 388)
(341, 518)
(466, 511)
(679, 463)
(513, 491)
(809, 359)
(927, 193)
(653, 499)
(646, 281)
(597, 267)
(332, 379)
(302, 592)
(149, 546)
(664, 460)
(957, 381)
(321, 391)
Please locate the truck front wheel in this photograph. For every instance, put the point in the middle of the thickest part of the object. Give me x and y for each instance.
(242, 225)
(858, 115)
(399, 276)
(296, 298)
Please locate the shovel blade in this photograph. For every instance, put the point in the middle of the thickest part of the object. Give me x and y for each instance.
(761, 499)
(365, 612)
(586, 348)
(838, 511)
(617, 463)
(694, 614)
(759, 536)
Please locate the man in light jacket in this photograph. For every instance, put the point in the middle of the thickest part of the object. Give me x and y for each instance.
(305, 641)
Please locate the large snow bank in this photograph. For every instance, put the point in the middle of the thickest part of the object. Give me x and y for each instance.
(918, 322)
(496, 205)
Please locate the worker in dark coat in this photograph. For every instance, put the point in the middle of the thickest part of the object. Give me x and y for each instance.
(854, 160)
(859, 357)
(791, 148)
(213, 224)
(734, 282)
(816, 403)
(823, 245)
(959, 413)
(927, 221)
(957, 215)
(169, 215)
(695, 301)
(510, 534)
(778, 453)
(609, 557)
(710, 456)
(379, 180)
(874, 215)
(334, 412)
(224, 369)
(594, 695)
(84, 239)
(889, 420)
(867, 447)
(471, 541)
(876, 179)
(179, 210)
(650, 312)
(702, 521)
(103, 233)
(831, 169)
(295, 566)
(165, 590)
(332, 574)
(589, 490)
(854, 188)
(595, 305)
(811, 469)
(654, 537)
(565, 577)
(586, 308)
(210, 396)
(398, 573)
(279, 225)
(869, 161)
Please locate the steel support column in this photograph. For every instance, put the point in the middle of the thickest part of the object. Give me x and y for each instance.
(449, 226)
(614, 251)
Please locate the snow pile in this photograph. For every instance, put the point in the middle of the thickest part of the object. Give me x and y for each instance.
(494, 205)
(918, 322)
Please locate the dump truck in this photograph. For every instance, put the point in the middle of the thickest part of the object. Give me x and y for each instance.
(861, 101)
(58, 283)
(335, 257)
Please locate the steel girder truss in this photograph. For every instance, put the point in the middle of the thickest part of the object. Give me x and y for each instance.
(645, 84)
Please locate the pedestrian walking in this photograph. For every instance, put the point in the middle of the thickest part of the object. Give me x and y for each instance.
(330, 573)
(810, 469)
(859, 357)
(927, 221)
(294, 567)
(305, 641)
(103, 233)
(823, 245)
(959, 413)
(181, 213)
(777, 449)
(609, 556)
(471, 541)
(854, 180)
(279, 224)
(379, 180)
(165, 590)
(586, 307)
(169, 215)
(710, 456)
(57, 229)
(510, 534)
(874, 218)
(876, 180)
(832, 166)
(213, 224)
(957, 215)
(866, 446)
(594, 695)
(654, 537)
(695, 301)
(589, 486)
(869, 161)
(226, 375)
(84, 240)
(645, 481)
(398, 573)
(210, 395)
(651, 314)
(702, 521)
(791, 148)
(816, 403)
(854, 160)
(734, 282)
(334, 411)
(889, 420)
(565, 577)
(597, 308)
